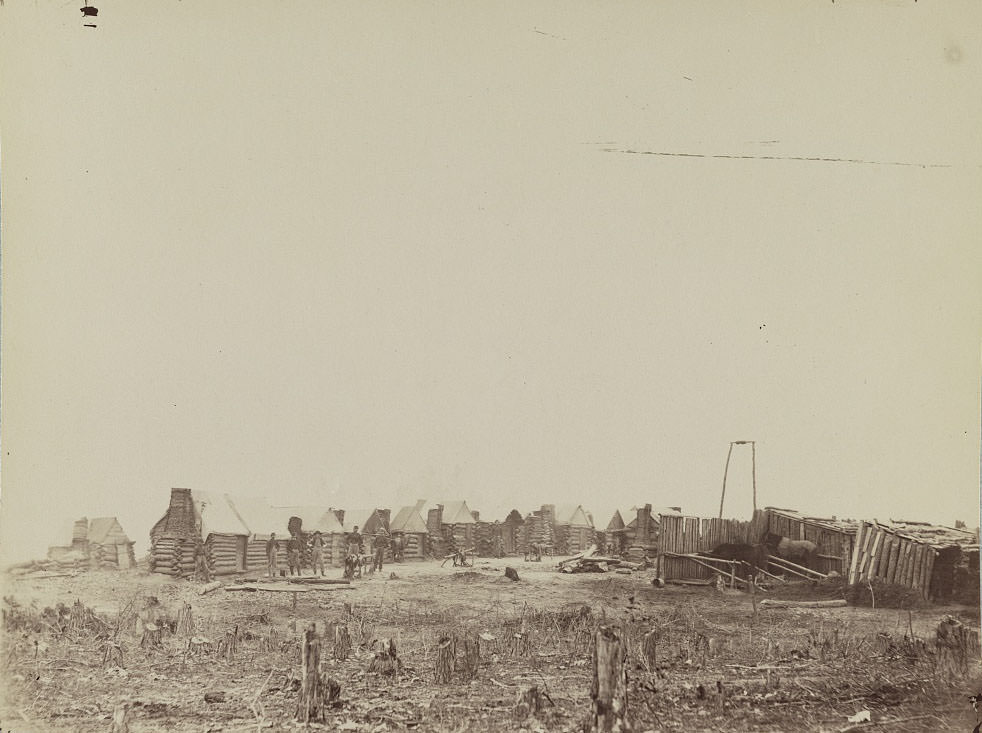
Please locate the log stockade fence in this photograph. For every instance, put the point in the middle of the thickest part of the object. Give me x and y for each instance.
(681, 536)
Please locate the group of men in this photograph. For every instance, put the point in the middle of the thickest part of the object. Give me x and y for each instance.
(353, 541)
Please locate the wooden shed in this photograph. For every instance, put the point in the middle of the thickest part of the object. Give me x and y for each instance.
(451, 526)
(939, 563)
(410, 525)
(234, 531)
(573, 528)
(100, 544)
(833, 537)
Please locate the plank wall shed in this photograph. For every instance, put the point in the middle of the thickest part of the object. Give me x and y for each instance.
(939, 563)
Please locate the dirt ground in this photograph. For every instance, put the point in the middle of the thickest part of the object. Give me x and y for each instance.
(719, 666)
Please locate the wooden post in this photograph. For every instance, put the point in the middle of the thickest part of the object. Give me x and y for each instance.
(854, 562)
(753, 470)
(609, 693)
(308, 702)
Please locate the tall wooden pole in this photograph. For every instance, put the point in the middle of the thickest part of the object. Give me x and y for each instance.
(725, 471)
(753, 468)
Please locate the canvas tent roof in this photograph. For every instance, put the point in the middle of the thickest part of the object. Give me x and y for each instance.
(257, 516)
(216, 515)
(456, 512)
(312, 518)
(572, 515)
(616, 522)
(101, 527)
(364, 519)
(408, 519)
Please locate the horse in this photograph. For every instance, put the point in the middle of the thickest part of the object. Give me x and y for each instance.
(802, 552)
(754, 556)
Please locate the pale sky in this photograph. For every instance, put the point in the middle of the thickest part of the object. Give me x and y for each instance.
(356, 253)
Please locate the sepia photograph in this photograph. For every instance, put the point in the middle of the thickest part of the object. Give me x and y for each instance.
(490, 366)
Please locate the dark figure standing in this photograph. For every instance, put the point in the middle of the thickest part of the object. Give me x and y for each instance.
(381, 544)
(271, 556)
(317, 553)
(293, 555)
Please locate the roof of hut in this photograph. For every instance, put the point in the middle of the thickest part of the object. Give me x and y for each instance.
(408, 519)
(616, 522)
(572, 515)
(312, 518)
(848, 526)
(456, 512)
(106, 528)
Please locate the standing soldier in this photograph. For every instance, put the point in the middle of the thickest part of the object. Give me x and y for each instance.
(381, 544)
(354, 542)
(271, 555)
(398, 542)
(293, 555)
(316, 553)
(201, 571)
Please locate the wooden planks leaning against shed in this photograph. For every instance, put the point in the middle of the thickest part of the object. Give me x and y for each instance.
(915, 555)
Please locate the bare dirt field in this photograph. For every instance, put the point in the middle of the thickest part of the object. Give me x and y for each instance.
(719, 666)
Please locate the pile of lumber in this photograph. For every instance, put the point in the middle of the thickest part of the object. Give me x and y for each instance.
(589, 561)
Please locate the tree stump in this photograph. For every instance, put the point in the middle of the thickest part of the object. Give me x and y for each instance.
(386, 660)
(511, 573)
(151, 636)
(609, 691)
(342, 642)
(309, 699)
(529, 702)
(445, 653)
(113, 655)
(121, 719)
(185, 621)
(228, 645)
(956, 646)
(649, 650)
(472, 656)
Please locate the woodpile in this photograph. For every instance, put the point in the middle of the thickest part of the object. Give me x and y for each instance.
(590, 562)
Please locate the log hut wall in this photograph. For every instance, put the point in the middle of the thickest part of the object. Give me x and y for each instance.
(688, 535)
(225, 554)
(835, 544)
(106, 556)
(414, 547)
(571, 540)
(884, 554)
(535, 530)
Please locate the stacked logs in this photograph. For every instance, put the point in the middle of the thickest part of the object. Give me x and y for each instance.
(222, 554)
(172, 556)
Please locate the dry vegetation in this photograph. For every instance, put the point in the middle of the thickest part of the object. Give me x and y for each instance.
(458, 650)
